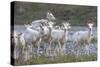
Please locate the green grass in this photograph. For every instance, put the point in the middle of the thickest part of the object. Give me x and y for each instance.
(59, 59)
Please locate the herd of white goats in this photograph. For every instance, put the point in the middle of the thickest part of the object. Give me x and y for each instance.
(53, 38)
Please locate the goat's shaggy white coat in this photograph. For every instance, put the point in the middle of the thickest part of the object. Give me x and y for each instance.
(83, 35)
(81, 38)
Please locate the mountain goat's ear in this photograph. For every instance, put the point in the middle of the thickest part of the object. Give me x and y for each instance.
(90, 24)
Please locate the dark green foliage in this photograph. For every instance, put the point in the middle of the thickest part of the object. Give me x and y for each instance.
(78, 15)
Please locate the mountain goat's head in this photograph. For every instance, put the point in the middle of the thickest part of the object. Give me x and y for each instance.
(66, 25)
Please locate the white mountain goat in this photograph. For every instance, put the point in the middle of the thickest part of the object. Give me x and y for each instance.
(82, 38)
(31, 38)
(16, 44)
(46, 38)
(59, 35)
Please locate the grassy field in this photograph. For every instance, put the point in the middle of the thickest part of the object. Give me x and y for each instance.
(59, 59)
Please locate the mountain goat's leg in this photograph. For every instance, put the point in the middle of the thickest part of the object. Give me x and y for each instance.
(87, 47)
(26, 53)
(63, 48)
(59, 47)
(31, 49)
(38, 45)
(46, 49)
(50, 47)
